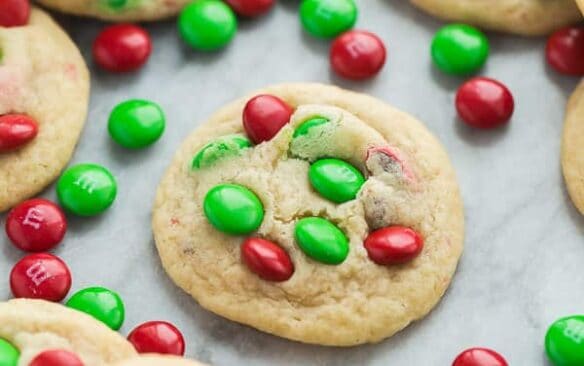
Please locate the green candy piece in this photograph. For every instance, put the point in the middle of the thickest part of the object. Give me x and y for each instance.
(136, 123)
(9, 354)
(86, 189)
(233, 209)
(305, 126)
(101, 303)
(459, 49)
(328, 18)
(207, 25)
(321, 240)
(564, 341)
(335, 179)
(226, 146)
(116, 4)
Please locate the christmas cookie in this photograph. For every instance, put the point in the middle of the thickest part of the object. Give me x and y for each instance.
(313, 213)
(573, 148)
(524, 17)
(158, 360)
(44, 92)
(33, 331)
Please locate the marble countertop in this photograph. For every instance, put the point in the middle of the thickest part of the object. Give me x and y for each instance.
(523, 262)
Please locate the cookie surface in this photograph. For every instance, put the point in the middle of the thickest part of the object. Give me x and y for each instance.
(351, 303)
(42, 75)
(33, 326)
(580, 4)
(524, 17)
(573, 148)
(119, 10)
(158, 360)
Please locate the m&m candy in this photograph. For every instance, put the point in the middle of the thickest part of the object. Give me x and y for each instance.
(101, 303)
(564, 341)
(207, 25)
(136, 123)
(264, 116)
(157, 337)
(308, 125)
(14, 13)
(9, 354)
(16, 130)
(393, 245)
(56, 357)
(321, 240)
(357, 55)
(328, 18)
(336, 180)
(484, 103)
(459, 49)
(565, 50)
(250, 8)
(233, 209)
(223, 147)
(40, 276)
(479, 357)
(122, 48)
(267, 260)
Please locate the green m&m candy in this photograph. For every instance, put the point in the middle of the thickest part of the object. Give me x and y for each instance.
(564, 341)
(309, 124)
(136, 123)
(223, 147)
(9, 355)
(335, 179)
(328, 18)
(459, 49)
(86, 189)
(321, 240)
(207, 25)
(101, 303)
(233, 209)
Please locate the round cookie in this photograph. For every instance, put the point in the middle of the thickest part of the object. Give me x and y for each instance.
(119, 10)
(158, 360)
(42, 75)
(573, 148)
(410, 182)
(33, 326)
(524, 17)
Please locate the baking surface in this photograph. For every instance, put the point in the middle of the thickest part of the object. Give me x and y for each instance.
(522, 266)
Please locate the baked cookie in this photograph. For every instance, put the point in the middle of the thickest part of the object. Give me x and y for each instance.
(278, 238)
(580, 4)
(524, 17)
(119, 10)
(573, 148)
(158, 360)
(35, 326)
(44, 90)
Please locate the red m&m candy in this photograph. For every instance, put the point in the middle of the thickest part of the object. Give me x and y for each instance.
(40, 276)
(16, 130)
(357, 55)
(565, 50)
(157, 337)
(393, 245)
(267, 259)
(122, 48)
(484, 103)
(479, 357)
(14, 13)
(264, 116)
(56, 357)
(250, 8)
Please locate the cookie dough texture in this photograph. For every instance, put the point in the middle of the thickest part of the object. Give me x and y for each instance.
(158, 360)
(524, 17)
(42, 74)
(573, 148)
(580, 4)
(353, 303)
(119, 10)
(34, 326)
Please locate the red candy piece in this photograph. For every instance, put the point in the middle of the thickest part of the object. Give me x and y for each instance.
(389, 159)
(565, 51)
(484, 103)
(264, 116)
(56, 357)
(479, 357)
(14, 13)
(40, 276)
(357, 55)
(157, 337)
(122, 48)
(16, 130)
(393, 245)
(36, 225)
(250, 8)
(267, 259)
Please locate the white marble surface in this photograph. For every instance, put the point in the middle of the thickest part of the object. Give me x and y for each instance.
(524, 257)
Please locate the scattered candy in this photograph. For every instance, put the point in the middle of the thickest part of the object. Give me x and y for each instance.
(479, 357)
(16, 130)
(226, 146)
(207, 25)
(101, 303)
(86, 189)
(9, 355)
(122, 48)
(250, 8)
(393, 245)
(14, 13)
(460, 49)
(264, 116)
(306, 126)
(321, 240)
(484, 103)
(564, 341)
(336, 180)
(357, 55)
(385, 159)
(56, 357)
(157, 337)
(328, 18)
(136, 123)
(40, 276)
(233, 209)
(267, 259)
(36, 225)
(565, 50)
